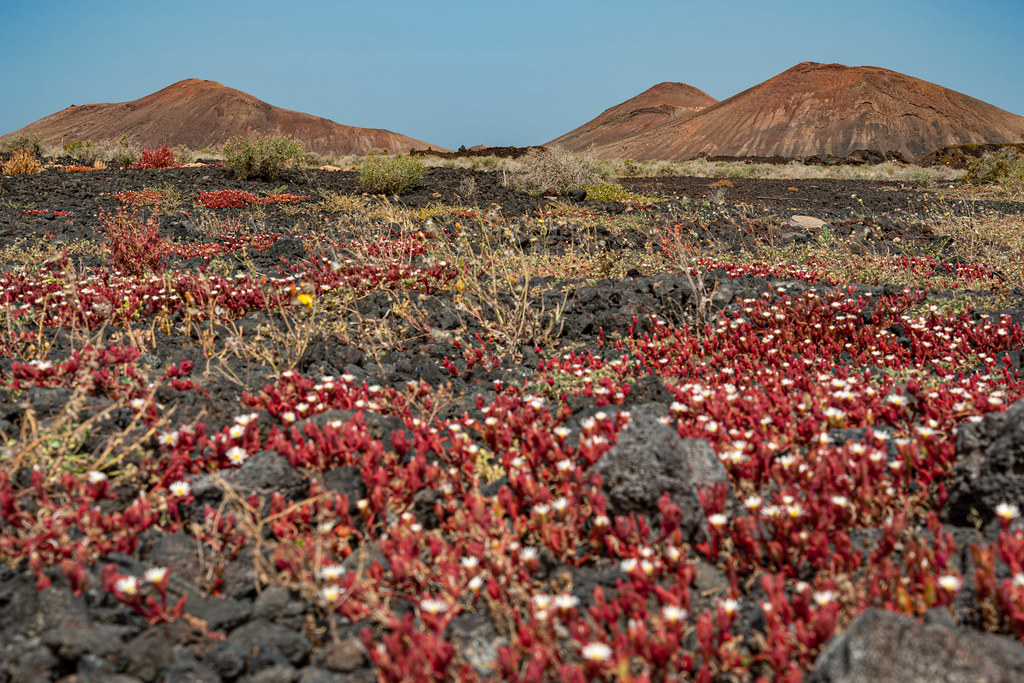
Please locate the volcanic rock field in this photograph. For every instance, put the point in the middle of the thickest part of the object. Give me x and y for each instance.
(715, 431)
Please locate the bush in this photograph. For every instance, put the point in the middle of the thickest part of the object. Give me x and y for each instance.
(1004, 168)
(84, 150)
(124, 152)
(919, 177)
(22, 162)
(261, 156)
(30, 141)
(381, 174)
(135, 245)
(555, 168)
(161, 157)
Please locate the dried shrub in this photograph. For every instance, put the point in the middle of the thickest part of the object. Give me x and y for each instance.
(261, 156)
(555, 168)
(383, 174)
(22, 162)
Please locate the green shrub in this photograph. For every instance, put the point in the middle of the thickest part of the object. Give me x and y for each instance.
(919, 177)
(30, 141)
(261, 156)
(1004, 168)
(184, 155)
(84, 150)
(555, 168)
(124, 152)
(382, 174)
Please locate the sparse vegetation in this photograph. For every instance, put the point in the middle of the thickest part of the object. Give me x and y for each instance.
(85, 150)
(555, 169)
(30, 141)
(1004, 168)
(261, 156)
(124, 152)
(22, 162)
(385, 174)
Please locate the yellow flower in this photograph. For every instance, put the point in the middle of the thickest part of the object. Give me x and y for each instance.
(305, 299)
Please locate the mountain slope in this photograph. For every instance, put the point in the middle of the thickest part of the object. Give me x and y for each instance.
(205, 114)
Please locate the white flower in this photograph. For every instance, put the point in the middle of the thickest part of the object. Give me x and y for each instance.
(823, 598)
(596, 652)
(331, 572)
(470, 562)
(433, 606)
(541, 602)
(236, 455)
(127, 585)
(718, 520)
(331, 592)
(1007, 511)
(752, 502)
(560, 504)
(729, 606)
(180, 488)
(839, 501)
(155, 575)
(672, 614)
(566, 601)
(628, 564)
(167, 438)
(950, 582)
(138, 403)
(96, 477)
(236, 431)
(528, 554)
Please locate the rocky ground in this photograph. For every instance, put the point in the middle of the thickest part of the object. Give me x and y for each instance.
(362, 440)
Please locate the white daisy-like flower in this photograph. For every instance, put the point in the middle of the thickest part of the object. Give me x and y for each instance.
(729, 606)
(950, 582)
(562, 432)
(540, 601)
(156, 575)
(137, 403)
(561, 504)
(601, 521)
(331, 592)
(236, 431)
(673, 614)
(470, 562)
(566, 601)
(236, 455)
(628, 564)
(180, 488)
(822, 598)
(96, 477)
(840, 501)
(595, 651)
(1007, 511)
(433, 606)
(127, 585)
(476, 583)
(332, 572)
(528, 554)
(167, 439)
(541, 510)
(718, 520)
(752, 502)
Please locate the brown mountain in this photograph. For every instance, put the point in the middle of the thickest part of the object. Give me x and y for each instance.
(653, 107)
(205, 114)
(827, 109)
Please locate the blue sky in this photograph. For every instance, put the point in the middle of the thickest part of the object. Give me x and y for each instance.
(455, 72)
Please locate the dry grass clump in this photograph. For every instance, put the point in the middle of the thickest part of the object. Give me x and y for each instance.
(22, 162)
(555, 168)
(383, 174)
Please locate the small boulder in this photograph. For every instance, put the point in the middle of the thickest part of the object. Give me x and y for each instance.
(651, 459)
(806, 222)
(885, 646)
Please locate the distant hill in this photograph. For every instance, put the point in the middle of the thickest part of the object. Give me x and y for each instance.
(653, 107)
(814, 109)
(205, 114)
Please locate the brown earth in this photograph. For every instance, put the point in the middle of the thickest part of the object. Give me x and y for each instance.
(816, 109)
(664, 103)
(205, 114)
